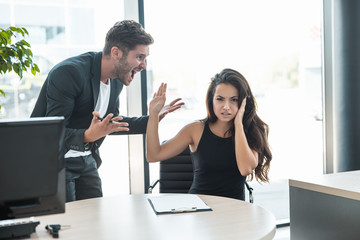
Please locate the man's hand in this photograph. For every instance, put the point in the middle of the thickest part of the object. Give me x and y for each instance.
(100, 128)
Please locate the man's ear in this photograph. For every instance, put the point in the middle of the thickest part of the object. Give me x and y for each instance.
(116, 53)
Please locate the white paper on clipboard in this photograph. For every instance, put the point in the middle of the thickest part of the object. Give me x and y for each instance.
(175, 203)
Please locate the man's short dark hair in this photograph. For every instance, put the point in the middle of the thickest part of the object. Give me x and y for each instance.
(126, 35)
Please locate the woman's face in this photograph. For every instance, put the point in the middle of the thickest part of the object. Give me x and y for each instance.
(226, 102)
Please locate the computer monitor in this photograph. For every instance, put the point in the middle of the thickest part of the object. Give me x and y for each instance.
(32, 168)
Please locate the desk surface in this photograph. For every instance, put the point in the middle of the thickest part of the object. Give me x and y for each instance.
(344, 184)
(132, 217)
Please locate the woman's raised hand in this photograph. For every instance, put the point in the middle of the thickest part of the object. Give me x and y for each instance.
(158, 100)
(240, 113)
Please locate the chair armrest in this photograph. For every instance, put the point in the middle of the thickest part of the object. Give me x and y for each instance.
(152, 185)
(251, 198)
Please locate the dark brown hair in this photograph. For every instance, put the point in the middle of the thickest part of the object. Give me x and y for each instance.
(255, 129)
(126, 35)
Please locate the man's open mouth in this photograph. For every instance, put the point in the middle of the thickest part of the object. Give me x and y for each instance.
(132, 74)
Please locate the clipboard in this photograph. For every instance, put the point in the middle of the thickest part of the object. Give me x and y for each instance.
(177, 203)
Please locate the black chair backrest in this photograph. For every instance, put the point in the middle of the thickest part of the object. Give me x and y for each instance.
(176, 174)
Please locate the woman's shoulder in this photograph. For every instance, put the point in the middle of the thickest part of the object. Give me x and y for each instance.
(196, 125)
(194, 129)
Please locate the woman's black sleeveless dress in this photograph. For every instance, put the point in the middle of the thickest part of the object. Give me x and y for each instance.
(215, 168)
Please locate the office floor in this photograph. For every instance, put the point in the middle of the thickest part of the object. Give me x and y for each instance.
(282, 233)
(275, 198)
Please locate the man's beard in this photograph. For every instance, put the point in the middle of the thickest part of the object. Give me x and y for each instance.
(122, 71)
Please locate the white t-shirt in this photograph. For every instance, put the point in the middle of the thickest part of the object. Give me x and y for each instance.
(102, 104)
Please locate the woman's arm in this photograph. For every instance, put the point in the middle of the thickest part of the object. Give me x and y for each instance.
(152, 130)
(154, 151)
(246, 158)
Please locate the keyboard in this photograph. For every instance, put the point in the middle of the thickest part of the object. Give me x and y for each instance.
(12, 229)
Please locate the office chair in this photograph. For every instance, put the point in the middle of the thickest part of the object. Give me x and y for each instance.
(176, 175)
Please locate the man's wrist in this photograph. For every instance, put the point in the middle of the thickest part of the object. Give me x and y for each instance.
(87, 138)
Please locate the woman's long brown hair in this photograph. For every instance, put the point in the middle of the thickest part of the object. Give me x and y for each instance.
(255, 129)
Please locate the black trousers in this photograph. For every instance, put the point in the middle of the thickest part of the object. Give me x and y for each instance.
(82, 178)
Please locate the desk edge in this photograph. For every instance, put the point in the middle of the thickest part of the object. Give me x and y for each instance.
(324, 189)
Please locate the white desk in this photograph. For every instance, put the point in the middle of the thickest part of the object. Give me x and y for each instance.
(132, 217)
(325, 206)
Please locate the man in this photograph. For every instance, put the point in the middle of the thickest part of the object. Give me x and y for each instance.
(85, 90)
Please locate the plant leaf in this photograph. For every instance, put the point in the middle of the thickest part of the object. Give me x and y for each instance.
(36, 68)
(16, 56)
(25, 31)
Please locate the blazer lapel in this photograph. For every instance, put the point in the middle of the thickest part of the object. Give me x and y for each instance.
(95, 79)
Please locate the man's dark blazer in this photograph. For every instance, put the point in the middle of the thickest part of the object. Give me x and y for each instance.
(71, 89)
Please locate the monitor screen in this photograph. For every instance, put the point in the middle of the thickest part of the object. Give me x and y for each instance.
(32, 169)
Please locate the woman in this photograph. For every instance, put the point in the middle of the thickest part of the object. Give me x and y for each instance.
(226, 147)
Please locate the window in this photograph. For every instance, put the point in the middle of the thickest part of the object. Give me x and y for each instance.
(58, 30)
(276, 45)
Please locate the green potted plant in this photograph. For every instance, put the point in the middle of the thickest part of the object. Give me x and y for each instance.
(15, 55)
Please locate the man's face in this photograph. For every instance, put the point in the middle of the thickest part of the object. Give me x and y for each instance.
(127, 66)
